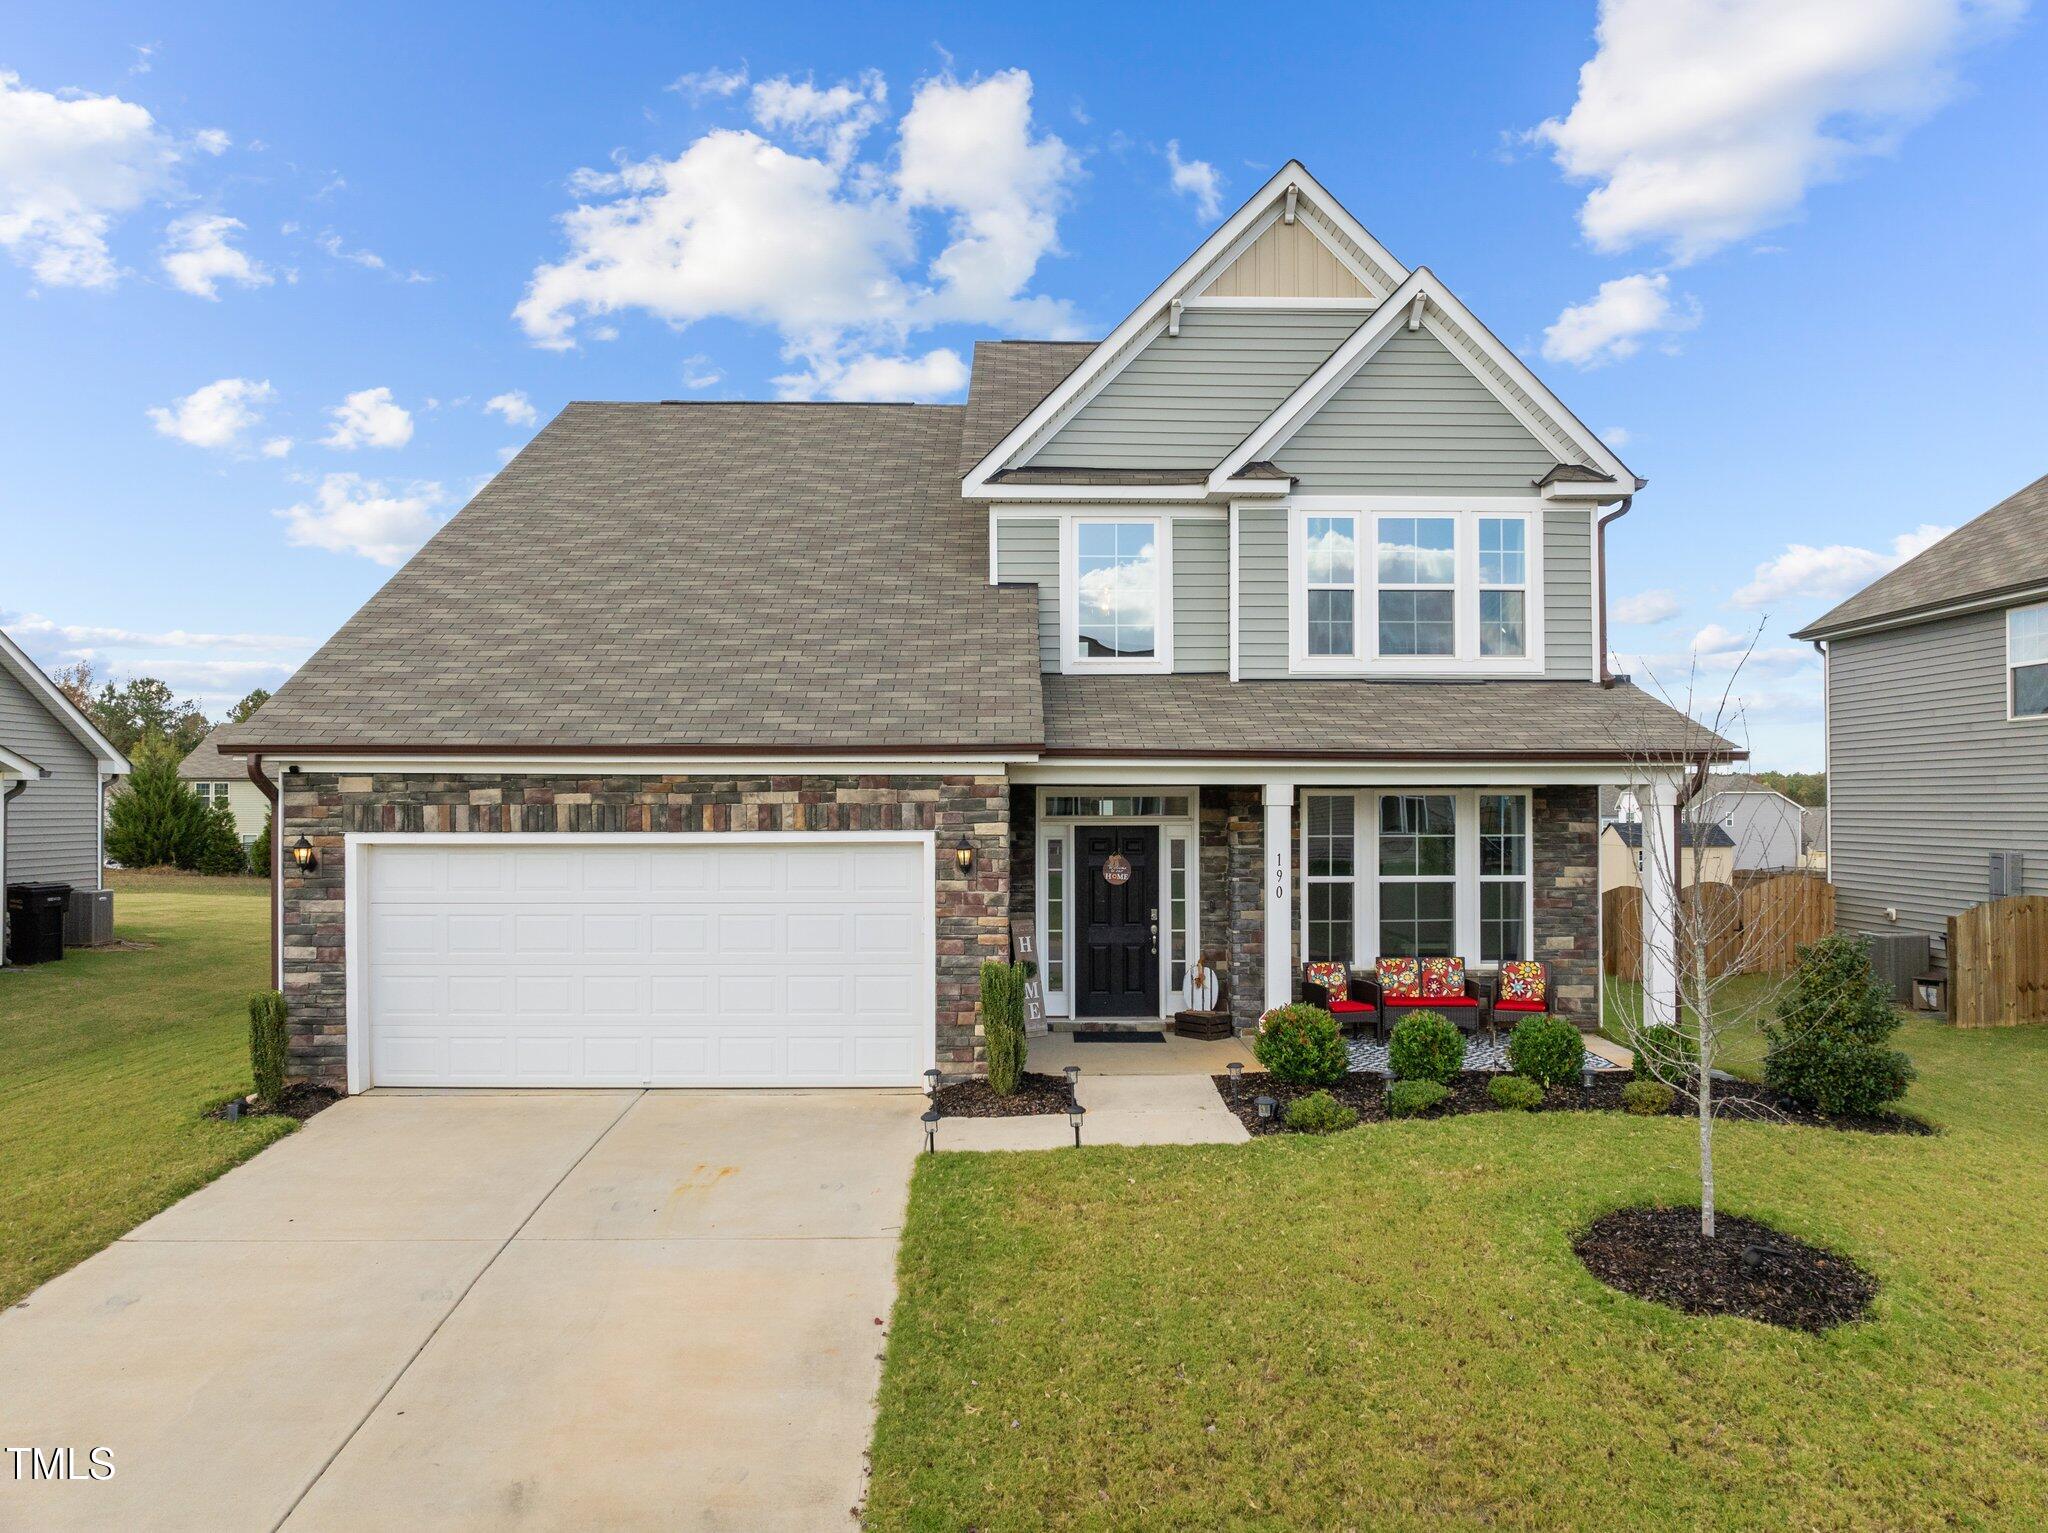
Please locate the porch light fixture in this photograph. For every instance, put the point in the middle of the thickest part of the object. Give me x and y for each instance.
(931, 1129)
(963, 854)
(1074, 1114)
(1265, 1105)
(304, 857)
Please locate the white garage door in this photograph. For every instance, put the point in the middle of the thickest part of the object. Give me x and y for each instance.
(567, 962)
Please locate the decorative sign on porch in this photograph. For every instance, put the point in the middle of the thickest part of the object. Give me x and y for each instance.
(1117, 870)
(1024, 950)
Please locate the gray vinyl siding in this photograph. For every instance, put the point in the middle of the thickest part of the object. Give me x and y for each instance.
(1185, 401)
(1414, 420)
(1201, 595)
(1028, 550)
(1926, 775)
(53, 823)
(1568, 641)
(1261, 593)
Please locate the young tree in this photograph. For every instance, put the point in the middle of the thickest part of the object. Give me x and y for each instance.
(239, 714)
(219, 848)
(146, 706)
(76, 682)
(259, 849)
(155, 821)
(1704, 978)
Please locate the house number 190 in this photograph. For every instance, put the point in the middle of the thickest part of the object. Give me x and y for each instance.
(1280, 876)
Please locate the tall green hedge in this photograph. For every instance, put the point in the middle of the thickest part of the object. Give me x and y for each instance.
(267, 1040)
(1002, 1024)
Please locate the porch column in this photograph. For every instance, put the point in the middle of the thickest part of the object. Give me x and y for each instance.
(1278, 798)
(1659, 800)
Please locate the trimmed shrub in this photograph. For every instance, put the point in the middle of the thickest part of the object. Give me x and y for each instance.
(1426, 1046)
(1827, 1046)
(1515, 1093)
(1319, 1113)
(1546, 1049)
(267, 1041)
(1002, 1024)
(1647, 1099)
(1411, 1099)
(1301, 1046)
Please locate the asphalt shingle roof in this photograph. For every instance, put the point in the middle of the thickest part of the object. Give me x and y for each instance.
(205, 763)
(2004, 549)
(1692, 833)
(695, 575)
(1365, 720)
(1009, 379)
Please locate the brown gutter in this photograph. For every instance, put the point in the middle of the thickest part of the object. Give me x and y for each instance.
(1120, 753)
(271, 791)
(530, 748)
(1600, 533)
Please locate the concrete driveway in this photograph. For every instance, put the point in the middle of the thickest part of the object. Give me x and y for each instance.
(485, 1310)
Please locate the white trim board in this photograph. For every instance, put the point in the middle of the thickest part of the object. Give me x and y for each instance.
(24, 670)
(358, 846)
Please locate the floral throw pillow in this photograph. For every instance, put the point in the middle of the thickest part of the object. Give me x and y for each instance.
(1333, 977)
(1521, 981)
(1442, 977)
(1400, 978)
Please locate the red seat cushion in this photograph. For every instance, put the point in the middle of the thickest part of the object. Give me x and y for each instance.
(1517, 1005)
(1342, 1006)
(1432, 1002)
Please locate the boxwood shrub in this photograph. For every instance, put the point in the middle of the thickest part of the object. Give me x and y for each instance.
(1515, 1093)
(1647, 1099)
(1546, 1049)
(1426, 1046)
(1827, 1046)
(1319, 1113)
(1301, 1046)
(1411, 1099)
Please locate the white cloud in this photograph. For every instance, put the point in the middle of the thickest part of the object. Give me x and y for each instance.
(353, 515)
(1610, 326)
(1645, 607)
(937, 374)
(216, 414)
(710, 82)
(1617, 437)
(1705, 121)
(330, 242)
(369, 418)
(70, 166)
(277, 446)
(700, 372)
(514, 406)
(1195, 178)
(213, 140)
(834, 120)
(1805, 573)
(34, 625)
(198, 258)
(823, 247)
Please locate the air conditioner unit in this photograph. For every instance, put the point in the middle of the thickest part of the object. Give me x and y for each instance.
(1898, 959)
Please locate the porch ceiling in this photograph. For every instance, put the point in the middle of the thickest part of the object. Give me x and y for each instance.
(1192, 716)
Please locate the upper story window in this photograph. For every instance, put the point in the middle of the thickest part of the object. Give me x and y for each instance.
(1117, 616)
(211, 792)
(1415, 591)
(2026, 656)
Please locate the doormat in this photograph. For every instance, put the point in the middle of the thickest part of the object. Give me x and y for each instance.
(1115, 1035)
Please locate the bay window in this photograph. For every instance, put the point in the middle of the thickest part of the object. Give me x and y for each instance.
(2026, 657)
(1424, 590)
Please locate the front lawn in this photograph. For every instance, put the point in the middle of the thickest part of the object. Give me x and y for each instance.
(1388, 1328)
(108, 1062)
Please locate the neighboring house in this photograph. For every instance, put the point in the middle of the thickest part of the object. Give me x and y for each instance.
(1706, 852)
(219, 779)
(1763, 825)
(1813, 839)
(1937, 727)
(54, 771)
(720, 743)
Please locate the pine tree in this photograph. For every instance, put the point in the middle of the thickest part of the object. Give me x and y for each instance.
(156, 821)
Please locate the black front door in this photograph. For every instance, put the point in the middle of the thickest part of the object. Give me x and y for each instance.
(1119, 922)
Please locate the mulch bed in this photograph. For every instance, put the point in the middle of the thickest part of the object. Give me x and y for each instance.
(1747, 1269)
(1734, 1100)
(1035, 1094)
(301, 1100)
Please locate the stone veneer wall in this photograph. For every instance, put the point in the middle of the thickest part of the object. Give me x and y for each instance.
(972, 910)
(1565, 833)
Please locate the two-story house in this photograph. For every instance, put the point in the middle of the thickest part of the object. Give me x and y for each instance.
(1937, 727)
(720, 743)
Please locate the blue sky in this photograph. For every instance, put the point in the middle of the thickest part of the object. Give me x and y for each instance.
(262, 275)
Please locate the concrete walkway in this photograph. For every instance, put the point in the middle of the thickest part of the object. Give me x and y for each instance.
(1134, 1093)
(477, 1310)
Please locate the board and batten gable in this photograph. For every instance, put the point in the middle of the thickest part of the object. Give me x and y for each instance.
(1185, 401)
(1927, 777)
(53, 824)
(1027, 552)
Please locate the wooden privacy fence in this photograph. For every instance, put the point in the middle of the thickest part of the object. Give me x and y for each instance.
(1767, 922)
(1998, 963)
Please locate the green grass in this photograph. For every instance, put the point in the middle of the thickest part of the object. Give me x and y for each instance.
(1387, 1328)
(108, 1062)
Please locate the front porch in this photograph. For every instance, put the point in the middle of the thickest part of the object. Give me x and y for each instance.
(1145, 900)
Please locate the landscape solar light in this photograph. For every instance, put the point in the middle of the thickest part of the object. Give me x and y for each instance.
(1236, 1069)
(931, 1130)
(1586, 1073)
(1073, 1074)
(1075, 1112)
(931, 1084)
(1265, 1106)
